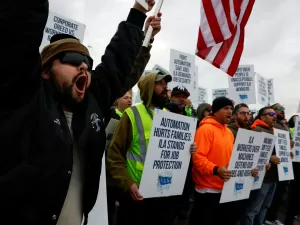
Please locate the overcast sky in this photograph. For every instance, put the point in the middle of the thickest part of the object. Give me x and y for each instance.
(271, 39)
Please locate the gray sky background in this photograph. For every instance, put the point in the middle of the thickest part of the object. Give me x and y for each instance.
(271, 39)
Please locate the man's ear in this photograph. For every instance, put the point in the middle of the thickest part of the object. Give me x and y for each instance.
(235, 116)
(45, 76)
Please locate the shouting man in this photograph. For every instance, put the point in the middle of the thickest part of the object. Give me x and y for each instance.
(52, 114)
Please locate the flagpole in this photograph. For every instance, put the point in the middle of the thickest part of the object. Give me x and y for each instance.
(150, 29)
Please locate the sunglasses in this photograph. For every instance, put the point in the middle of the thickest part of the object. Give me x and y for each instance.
(270, 114)
(76, 59)
(280, 109)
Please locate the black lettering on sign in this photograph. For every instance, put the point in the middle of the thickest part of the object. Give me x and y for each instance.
(165, 154)
(284, 159)
(175, 155)
(251, 140)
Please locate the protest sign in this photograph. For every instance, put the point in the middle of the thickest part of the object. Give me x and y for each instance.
(296, 138)
(264, 158)
(283, 149)
(242, 85)
(270, 91)
(243, 159)
(220, 92)
(110, 129)
(195, 100)
(202, 95)
(262, 86)
(98, 215)
(182, 69)
(168, 155)
(58, 24)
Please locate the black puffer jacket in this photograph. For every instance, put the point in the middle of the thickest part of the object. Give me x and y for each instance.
(36, 145)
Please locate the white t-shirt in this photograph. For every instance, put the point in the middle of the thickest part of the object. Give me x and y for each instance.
(72, 212)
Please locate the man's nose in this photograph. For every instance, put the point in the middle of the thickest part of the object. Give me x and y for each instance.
(83, 66)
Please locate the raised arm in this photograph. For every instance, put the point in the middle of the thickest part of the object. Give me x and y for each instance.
(114, 76)
(22, 24)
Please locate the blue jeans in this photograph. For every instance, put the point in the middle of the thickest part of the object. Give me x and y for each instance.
(257, 204)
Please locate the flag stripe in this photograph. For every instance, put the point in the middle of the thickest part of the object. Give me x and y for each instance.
(222, 19)
(230, 17)
(220, 57)
(213, 21)
(203, 53)
(229, 57)
(237, 56)
(205, 31)
(213, 52)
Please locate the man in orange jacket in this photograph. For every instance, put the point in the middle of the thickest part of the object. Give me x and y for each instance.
(215, 144)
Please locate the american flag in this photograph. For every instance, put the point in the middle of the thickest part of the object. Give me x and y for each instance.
(222, 32)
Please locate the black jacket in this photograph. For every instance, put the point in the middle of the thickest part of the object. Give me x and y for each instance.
(36, 145)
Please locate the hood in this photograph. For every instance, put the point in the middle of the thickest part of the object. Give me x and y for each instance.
(260, 123)
(146, 86)
(211, 121)
(201, 109)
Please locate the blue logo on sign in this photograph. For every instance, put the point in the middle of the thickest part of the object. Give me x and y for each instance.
(164, 180)
(285, 170)
(256, 179)
(238, 187)
(297, 153)
(243, 96)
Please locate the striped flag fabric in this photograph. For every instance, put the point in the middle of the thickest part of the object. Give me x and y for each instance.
(222, 32)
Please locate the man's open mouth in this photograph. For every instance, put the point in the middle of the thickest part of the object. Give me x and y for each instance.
(81, 83)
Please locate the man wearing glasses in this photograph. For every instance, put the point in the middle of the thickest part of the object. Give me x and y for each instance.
(260, 200)
(271, 218)
(241, 118)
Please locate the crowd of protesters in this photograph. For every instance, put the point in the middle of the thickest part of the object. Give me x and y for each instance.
(53, 116)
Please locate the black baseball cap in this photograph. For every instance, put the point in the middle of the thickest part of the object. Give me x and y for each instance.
(180, 90)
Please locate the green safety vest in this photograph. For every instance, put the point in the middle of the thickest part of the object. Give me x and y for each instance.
(141, 122)
(292, 130)
(119, 113)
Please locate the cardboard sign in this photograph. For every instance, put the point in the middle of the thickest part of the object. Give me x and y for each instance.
(283, 149)
(182, 70)
(243, 159)
(242, 85)
(168, 155)
(296, 139)
(271, 91)
(58, 24)
(262, 88)
(264, 158)
(220, 92)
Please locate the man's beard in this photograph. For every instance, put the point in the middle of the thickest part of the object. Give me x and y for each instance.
(63, 93)
(280, 117)
(159, 101)
(242, 124)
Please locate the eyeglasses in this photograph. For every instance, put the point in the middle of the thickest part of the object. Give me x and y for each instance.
(76, 59)
(270, 114)
(244, 113)
(280, 109)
